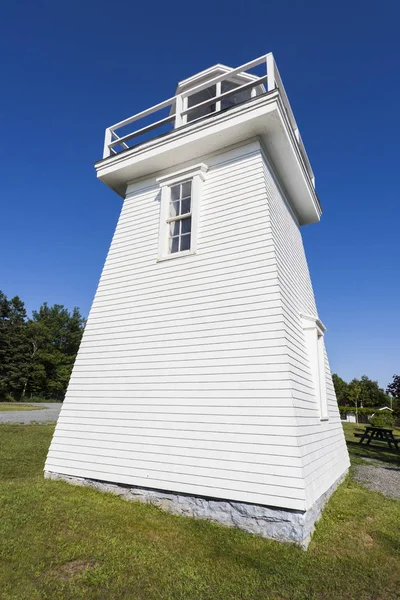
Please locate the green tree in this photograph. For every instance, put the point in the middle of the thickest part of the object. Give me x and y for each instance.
(369, 392)
(14, 348)
(37, 354)
(341, 390)
(394, 387)
(355, 393)
(54, 335)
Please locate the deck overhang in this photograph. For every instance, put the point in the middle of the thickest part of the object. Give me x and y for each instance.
(264, 117)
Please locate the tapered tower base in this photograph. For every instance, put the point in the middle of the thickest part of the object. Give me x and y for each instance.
(202, 384)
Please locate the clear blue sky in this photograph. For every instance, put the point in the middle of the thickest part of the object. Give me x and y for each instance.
(70, 69)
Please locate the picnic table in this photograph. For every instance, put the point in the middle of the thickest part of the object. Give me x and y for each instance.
(380, 434)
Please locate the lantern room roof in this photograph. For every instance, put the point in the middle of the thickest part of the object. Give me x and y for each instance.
(210, 73)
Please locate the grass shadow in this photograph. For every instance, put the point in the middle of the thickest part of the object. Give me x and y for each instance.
(360, 453)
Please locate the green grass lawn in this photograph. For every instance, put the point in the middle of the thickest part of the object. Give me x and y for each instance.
(60, 542)
(379, 451)
(15, 407)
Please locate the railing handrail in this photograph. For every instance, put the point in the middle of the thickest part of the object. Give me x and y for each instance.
(219, 78)
(130, 136)
(198, 88)
(143, 114)
(272, 77)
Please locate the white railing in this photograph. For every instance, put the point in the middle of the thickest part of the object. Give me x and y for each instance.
(179, 110)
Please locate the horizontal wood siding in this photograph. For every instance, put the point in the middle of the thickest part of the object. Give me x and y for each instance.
(324, 452)
(184, 377)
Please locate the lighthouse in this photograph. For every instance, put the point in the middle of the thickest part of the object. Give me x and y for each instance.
(202, 384)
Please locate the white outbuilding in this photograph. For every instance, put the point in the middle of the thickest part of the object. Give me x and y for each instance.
(202, 383)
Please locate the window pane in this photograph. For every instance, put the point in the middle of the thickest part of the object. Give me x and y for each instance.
(185, 242)
(186, 225)
(173, 245)
(235, 99)
(201, 97)
(186, 189)
(185, 208)
(175, 192)
(174, 209)
(174, 228)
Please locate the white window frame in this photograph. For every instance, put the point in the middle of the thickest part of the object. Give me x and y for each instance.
(218, 104)
(314, 331)
(196, 175)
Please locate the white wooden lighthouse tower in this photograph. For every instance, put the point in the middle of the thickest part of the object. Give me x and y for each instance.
(202, 382)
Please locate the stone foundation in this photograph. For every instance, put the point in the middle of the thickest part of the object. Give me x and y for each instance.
(279, 524)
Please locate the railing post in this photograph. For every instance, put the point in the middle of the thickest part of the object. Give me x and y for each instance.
(178, 111)
(218, 92)
(270, 72)
(107, 142)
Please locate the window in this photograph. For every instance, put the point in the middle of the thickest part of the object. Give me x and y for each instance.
(180, 217)
(314, 336)
(210, 93)
(179, 212)
(236, 99)
(199, 97)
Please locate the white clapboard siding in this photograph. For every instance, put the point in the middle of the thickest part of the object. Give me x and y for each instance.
(287, 466)
(206, 486)
(183, 380)
(193, 374)
(321, 442)
(245, 443)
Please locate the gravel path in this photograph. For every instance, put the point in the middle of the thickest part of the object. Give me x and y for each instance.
(385, 480)
(49, 412)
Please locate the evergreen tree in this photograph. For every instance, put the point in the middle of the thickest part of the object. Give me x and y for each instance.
(341, 390)
(37, 355)
(14, 348)
(55, 337)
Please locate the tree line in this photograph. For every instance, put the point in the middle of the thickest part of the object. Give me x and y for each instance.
(37, 353)
(365, 393)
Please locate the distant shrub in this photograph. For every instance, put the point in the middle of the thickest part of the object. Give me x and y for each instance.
(7, 398)
(383, 419)
(40, 399)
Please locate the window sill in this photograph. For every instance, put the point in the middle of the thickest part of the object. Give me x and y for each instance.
(176, 255)
(324, 418)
